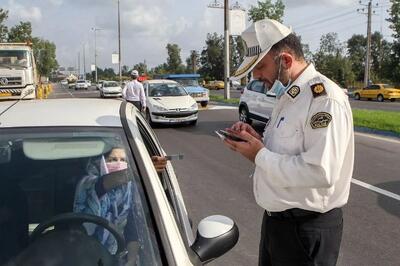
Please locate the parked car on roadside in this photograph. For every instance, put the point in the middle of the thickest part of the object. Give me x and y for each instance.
(215, 85)
(110, 89)
(81, 84)
(168, 102)
(380, 92)
(256, 103)
(79, 188)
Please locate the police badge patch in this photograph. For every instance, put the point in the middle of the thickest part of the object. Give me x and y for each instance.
(320, 120)
(318, 89)
(293, 91)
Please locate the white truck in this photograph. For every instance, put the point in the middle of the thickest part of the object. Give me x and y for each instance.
(18, 72)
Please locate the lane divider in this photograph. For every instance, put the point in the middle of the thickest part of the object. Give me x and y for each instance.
(376, 189)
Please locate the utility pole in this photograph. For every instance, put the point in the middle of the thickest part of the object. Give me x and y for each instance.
(84, 63)
(119, 47)
(79, 64)
(215, 4)
(368, 52)
(194, 60)
(95, 52)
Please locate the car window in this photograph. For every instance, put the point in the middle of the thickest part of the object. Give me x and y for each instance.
(111, 84)
(78, 172)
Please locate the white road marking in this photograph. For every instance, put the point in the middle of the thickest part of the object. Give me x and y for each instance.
(376, 189)
(377, 137)
(223, 107)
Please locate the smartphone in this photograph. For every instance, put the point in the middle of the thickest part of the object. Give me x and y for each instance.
(224, 134)
(174, 157)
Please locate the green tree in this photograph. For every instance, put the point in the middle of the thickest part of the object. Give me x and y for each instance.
(125, 70)
(21, 32)
(174, 61)
(356, 51)
(45, 55)
(141, 68)
(267, 9)
(394, 20)
(237, 52)
(3, 27)
(380, 58)
(330, 60)
(212, 57)
(193, 62)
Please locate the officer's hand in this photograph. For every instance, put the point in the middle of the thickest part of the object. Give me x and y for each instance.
(249, 148)
(159, 163)
(240, 126)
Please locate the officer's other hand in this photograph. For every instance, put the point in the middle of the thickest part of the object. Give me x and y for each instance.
(240, 126)
(248, 148)
(160, 162)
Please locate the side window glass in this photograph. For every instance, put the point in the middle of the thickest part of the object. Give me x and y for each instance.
(258, 86)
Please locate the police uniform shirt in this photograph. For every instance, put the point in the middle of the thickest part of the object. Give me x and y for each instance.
(307, 161)
(134, 91)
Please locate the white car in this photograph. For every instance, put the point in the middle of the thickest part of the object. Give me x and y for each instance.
(89, 83)
(168, 102)
(110, 89)
(81, 84)
(256, 103)
(66, 205)
(64, 82)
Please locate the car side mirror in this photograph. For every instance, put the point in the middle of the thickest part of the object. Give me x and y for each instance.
(215, 236)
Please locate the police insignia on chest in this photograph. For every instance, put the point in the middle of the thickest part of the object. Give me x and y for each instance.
(320, 120)
(318, 89)
(294, 91)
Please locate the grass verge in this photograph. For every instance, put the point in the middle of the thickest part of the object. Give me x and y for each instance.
(220, 98)
(380, 120)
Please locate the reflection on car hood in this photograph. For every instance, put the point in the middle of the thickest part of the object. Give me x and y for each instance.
(195, 89)
(172, 102)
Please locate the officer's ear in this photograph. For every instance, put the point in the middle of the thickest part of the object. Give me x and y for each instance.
(286, 60)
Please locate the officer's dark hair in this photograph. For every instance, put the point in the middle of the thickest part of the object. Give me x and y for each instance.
(290, 44)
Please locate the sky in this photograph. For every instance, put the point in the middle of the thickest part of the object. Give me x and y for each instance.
(147, 26)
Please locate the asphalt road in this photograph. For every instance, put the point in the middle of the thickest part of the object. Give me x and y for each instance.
(215, 180)
(363, 104)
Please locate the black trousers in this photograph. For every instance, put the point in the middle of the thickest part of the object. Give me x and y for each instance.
(301, 240)
(138, 104)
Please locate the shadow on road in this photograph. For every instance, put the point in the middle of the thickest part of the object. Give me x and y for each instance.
(390, 205)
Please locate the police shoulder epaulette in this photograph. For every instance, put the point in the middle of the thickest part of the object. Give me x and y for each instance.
(318, 89)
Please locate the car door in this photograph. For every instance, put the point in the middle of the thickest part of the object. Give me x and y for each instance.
(260, 98)
(251, 98)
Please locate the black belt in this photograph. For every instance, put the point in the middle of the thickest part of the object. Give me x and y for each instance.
(292, 213)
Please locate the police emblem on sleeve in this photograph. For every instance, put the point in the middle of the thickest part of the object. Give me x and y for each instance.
(320, 120)
(293, 91)
(318, 89)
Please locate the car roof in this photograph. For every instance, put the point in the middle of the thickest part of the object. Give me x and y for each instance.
(61, 112)
(160, 81)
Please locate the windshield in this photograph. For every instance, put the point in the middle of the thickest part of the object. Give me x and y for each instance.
(111, 84)
(165, 89)
(81, 81)
(188, 82)
(14, 59)
(80, 172)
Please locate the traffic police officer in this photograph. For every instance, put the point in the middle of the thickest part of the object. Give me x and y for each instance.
(304, 161)
(133, 92)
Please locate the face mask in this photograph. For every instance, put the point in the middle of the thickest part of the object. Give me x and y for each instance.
(278, 88)
(116, 166)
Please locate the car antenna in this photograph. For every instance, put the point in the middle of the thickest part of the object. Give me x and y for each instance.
(26, 94)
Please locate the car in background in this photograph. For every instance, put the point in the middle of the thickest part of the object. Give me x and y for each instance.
(89, 83)
(168, 102)
(110, 89)
(215, 85)
(256, 103)
(81, 84)
(192, 86)
(380, 92)
(51, 162)
(236, 85)
(64, 82)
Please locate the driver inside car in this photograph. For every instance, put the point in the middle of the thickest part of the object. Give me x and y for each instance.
(109, 195)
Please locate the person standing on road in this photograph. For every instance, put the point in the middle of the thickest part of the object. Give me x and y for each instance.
(304, 160)
(133, 92)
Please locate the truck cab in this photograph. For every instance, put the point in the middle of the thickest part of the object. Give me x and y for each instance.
(18, 75)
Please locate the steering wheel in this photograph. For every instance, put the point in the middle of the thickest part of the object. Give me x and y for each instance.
(73, 219)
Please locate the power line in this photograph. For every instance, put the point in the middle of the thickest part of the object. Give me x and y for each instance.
(320, 27)
(325, 20)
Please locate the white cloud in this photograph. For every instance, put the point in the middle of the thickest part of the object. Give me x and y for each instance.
(55, 2)
(20, 12)
(303, 3)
